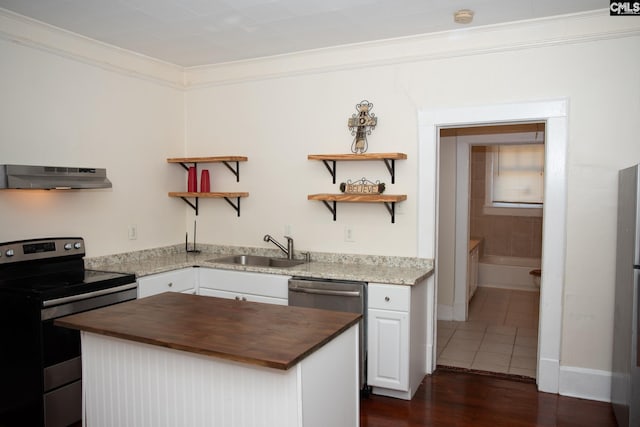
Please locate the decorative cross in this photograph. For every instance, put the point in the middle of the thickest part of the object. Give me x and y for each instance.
(361, 125)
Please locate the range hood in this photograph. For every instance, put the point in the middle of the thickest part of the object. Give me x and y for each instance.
(52, 177)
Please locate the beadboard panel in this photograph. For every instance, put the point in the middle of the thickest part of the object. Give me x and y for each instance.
(132, 384)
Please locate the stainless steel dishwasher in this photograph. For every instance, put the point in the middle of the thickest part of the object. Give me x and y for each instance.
(338, 296)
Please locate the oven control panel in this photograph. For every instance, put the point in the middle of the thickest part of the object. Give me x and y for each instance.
(33, 249)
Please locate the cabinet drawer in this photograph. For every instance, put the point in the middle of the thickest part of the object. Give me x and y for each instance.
(389, 297)
(244, 282)
(173, 281)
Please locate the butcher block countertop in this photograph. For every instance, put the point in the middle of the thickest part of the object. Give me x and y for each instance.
(267, 335)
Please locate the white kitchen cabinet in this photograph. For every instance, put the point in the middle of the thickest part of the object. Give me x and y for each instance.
(243, 285)
(183, 280)
(396, 342)
(388, 349)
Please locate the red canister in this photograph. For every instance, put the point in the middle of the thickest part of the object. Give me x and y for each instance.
(205, 185)
(192, 181)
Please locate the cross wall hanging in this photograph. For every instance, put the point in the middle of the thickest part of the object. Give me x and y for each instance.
(361, 125)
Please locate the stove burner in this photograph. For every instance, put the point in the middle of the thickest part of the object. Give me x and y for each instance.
(52, 268)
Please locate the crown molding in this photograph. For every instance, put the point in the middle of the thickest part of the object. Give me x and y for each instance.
(38, 35)
(519, 35)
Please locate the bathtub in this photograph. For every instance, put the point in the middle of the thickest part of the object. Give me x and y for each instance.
(507, 272)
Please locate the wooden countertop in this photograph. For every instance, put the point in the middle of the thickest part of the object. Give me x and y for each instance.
(268, 335)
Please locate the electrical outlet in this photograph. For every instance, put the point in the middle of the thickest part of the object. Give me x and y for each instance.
(348, 234)
(133, 232)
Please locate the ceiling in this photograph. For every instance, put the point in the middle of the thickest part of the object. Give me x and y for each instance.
(200, 32)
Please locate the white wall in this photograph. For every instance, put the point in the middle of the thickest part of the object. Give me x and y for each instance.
(60, 111)
(278, 110)
(277, 123)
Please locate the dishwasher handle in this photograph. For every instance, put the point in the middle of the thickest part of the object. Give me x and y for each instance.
(326, 292)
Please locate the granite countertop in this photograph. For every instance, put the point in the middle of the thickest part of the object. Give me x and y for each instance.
(366, 268)
(246, 332)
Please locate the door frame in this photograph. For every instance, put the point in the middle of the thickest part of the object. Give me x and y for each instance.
(555, 114)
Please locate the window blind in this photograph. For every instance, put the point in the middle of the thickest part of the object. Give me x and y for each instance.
(518, 173)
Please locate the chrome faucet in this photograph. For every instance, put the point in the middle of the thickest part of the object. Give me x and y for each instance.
(288, 251)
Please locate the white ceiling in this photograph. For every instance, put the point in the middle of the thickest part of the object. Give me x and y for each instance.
(200, 32)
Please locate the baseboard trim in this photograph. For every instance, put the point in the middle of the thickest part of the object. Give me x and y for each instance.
(591, 384)
(445, 312)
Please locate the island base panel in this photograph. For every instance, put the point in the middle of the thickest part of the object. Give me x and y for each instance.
(127, 383)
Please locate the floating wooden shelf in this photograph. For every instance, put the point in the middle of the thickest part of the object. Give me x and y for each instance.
(389, 159)
(359, 198)
(213, 159)
(227, 196)
(186, 161)
(389, 201)
(218, 195)
(363, 156)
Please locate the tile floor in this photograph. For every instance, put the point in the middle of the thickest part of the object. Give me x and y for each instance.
(501, 334)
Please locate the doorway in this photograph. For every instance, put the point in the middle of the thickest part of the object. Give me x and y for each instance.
(489, 240)
(554, 114)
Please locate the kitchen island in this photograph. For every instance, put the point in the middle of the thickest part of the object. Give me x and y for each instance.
(178, 359)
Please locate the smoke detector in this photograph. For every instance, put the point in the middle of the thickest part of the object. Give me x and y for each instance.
(463, 16)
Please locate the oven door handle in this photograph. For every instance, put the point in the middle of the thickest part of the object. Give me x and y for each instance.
(326, 292)
(87, 295)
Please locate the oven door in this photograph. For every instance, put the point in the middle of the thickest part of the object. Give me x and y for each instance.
(62, 396)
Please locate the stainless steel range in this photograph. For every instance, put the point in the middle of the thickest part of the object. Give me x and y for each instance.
(40, 365)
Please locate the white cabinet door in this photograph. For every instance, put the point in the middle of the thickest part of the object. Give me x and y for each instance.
(388, 347)
(172, 281)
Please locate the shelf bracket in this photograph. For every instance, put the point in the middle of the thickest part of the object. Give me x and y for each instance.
(236, 207)
(391, 207)
(391, 166)
(332, 209)
(236, 172)
(193, 205)
(331, 168)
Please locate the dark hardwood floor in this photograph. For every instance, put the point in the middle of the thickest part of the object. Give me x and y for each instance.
(450, 398)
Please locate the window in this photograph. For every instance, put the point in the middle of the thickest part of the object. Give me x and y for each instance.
(515, 179)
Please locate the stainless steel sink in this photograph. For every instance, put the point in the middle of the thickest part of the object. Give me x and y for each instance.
(258, 261)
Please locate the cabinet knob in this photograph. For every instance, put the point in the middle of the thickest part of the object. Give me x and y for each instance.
(387, 299)
(170, 284)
